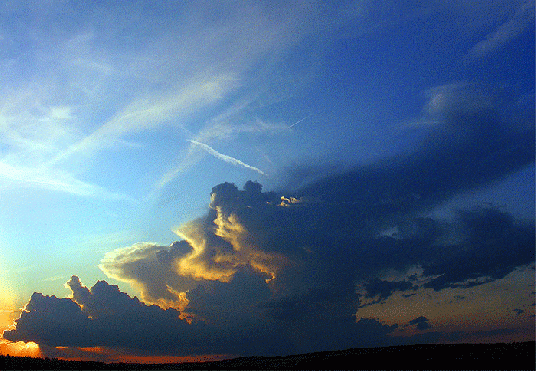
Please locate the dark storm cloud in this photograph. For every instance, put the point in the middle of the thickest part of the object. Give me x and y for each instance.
(470, 145)
(226, 322)
(285, 272)
(384, 289)
(421, 322)
(478, 246)
(51, 320)
(492, 246)
(104, 316)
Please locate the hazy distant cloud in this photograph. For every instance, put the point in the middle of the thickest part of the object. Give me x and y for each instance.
(195, 65)
(451, 104)
(31, 133)
(522, 19)
(165, 75)
(471, 144)
(421, 322)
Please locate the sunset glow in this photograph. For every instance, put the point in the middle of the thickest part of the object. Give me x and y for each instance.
(109, 355)
(20, 349)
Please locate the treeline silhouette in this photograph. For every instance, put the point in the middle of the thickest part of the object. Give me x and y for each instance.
(430, 356)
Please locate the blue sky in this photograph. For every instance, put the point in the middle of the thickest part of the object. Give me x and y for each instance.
(118, 119)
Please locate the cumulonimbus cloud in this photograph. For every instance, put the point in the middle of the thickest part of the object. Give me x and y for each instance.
(287, 268)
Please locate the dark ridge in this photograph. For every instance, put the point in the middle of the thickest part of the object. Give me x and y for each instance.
(518, 356)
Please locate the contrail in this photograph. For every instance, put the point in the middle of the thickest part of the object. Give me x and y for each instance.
(225, 158)
(297, 122)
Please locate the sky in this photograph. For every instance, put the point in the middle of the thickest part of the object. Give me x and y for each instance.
(193, 180)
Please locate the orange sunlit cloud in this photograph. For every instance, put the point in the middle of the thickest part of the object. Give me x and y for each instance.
(20, 349)
(230, 229)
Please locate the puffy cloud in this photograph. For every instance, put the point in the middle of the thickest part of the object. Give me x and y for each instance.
(53, 321)
(152, 269)
(103, 316)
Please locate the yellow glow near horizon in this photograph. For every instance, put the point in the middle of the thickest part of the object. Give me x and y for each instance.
(7, 317)
(9, 312)
(20, 348)
(8, 306)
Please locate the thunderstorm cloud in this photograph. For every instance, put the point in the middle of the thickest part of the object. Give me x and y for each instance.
(319, 264)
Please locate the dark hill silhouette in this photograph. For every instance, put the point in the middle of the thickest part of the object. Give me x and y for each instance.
(519, 356)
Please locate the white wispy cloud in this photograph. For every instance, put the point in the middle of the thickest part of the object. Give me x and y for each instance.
(34, 128)
(100, 93)
(55, 180)
(516, 24)
(228, 159)
(150, 113)
(225, 126)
